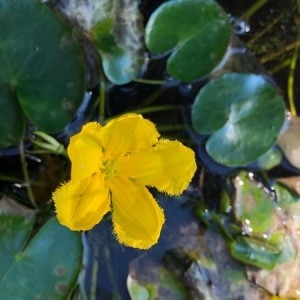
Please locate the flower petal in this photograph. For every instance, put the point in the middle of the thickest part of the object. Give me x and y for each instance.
(128, 133)
(136, 216)
(80, 205)
(85, 151)
(169, 166)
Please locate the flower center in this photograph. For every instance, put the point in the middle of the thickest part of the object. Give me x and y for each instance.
(109, 169)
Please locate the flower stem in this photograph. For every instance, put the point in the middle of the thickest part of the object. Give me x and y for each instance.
(151, 109)
(273, 55)
(253, 9)
(93, 291)
(171, 127)
(291, 77)
(26, 174)
(102, 97)
(291, 81)
(149, 81)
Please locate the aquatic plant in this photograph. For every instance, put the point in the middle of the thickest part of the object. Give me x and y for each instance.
(110, 167)
(171, 64)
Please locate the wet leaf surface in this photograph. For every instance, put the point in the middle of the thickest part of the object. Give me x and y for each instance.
(197, 33)
(252, 206)
(284, 279)
(42, 75)
(13, 127)
(229, 108)
(119, 38)
(115, 26)
(14, 232)
(46, 267)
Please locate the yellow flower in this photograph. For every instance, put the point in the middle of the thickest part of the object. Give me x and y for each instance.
(111, 167)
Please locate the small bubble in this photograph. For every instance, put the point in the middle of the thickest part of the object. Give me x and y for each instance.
(247, 229)
(240, 182)
(251, 175)
(240, 27)
(260, 185)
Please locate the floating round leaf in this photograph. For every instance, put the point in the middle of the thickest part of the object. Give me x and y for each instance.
(243, 113)
(42, 69)
(270, 159)
(12, 124)
(14, 231)
(49, 264)
(197, 31)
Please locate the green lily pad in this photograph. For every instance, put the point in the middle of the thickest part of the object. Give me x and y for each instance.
(197, 31)
(42, 70)
(243, 113)
(12, 124)
(270, 159)
(46, 268)
(14, 231)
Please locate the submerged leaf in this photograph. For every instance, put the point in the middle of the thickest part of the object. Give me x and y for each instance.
(119, 39)
(255, 253)
(252, 206)
(197, 31)
(116, 28)
(196, 267)
(136, 291)
(272, 242)
(284, 279)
